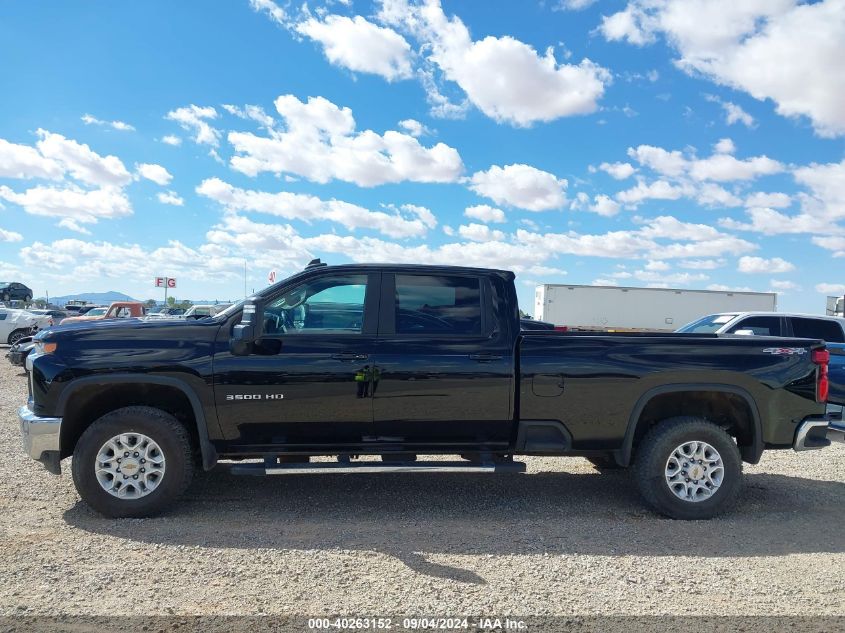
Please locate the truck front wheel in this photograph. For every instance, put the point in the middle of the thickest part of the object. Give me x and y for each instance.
(133, 462)
(688, 468)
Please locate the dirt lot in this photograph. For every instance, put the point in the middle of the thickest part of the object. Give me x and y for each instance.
(562, 539)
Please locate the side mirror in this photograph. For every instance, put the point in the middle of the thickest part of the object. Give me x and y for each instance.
(744, 332)
(248, 331)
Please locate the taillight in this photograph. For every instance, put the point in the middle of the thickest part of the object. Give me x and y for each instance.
(821, 357)
(561, 328)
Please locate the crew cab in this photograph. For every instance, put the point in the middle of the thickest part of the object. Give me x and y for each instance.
(830, 329)
(361, 362)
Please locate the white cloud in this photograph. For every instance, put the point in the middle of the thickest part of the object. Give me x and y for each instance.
(724, 146)
(604, 205)
(521, 186)
(657, 265)
(195, 119)
(170, 197)
(73, 225)
(294, 206)
(79, 204)
(763, 265)
(833, 243)
(171, 139)
(250, 113)
(770, 222)
(485, 213)
(668, 163)
(273, 10)
(117, 125)
(503, 77)
(361, 46)
(827, 184)
(480, 233)
(758, 46)
(156, 173)
(775, 200)
(23, 161)
(782, 284)
(701, 264)
(619, 171)
(10, 236)
(830, 289)
(724, 167)
(82, 162)
(657, 190)
(414, 127)
(733, 112)
(575, 5)
(320, 143)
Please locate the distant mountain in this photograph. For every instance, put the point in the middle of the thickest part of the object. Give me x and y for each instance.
(92, 297)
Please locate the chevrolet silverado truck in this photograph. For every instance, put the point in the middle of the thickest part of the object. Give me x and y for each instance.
(368, 367)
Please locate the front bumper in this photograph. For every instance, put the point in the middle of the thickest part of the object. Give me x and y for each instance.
(41, 438)
(819, 432)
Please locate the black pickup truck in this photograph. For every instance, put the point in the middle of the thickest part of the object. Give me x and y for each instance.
(396, 361)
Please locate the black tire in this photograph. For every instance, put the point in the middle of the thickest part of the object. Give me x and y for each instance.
(17, 335)
(603, 462)
(27, 298)
(653, 456)
(171, 436)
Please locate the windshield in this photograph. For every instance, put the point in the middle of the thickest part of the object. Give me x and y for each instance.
(96, 312)
(225, 314)
(708, 324)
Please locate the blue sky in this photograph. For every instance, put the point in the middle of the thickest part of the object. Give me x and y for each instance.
(658, 142)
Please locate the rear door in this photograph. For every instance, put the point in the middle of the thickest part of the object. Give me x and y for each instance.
(443, 362)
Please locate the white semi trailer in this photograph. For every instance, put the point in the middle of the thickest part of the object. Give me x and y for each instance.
(611, 308)
(835, 306)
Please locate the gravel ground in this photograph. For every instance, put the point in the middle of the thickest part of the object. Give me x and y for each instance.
(561, 540)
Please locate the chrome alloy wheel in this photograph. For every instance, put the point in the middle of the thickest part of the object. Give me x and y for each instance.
(129, 466)
(694, 471)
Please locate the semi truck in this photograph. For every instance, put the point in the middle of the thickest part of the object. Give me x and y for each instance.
(617, 308)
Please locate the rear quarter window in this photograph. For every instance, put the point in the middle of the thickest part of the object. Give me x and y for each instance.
(826, 330)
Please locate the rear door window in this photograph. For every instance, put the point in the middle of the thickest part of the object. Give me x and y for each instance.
(817, 328)
(438, 304)
(760, 325)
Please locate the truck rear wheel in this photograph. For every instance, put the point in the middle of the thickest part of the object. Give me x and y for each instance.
(133, 462)
(688, 468)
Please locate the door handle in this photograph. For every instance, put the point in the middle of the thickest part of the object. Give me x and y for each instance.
(346, 356)
(485, 357)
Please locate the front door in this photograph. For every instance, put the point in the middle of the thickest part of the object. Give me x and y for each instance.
(444, 363)
(310, 381)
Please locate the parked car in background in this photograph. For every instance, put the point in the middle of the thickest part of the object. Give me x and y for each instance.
(16, 324)
(56, 315)
(165, 313)
(11, 290)
(117, 310)
(19, 351)
(202, 311)
(827, 328)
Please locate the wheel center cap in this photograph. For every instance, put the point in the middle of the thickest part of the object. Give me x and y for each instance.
(696, 472)
(130, 467)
